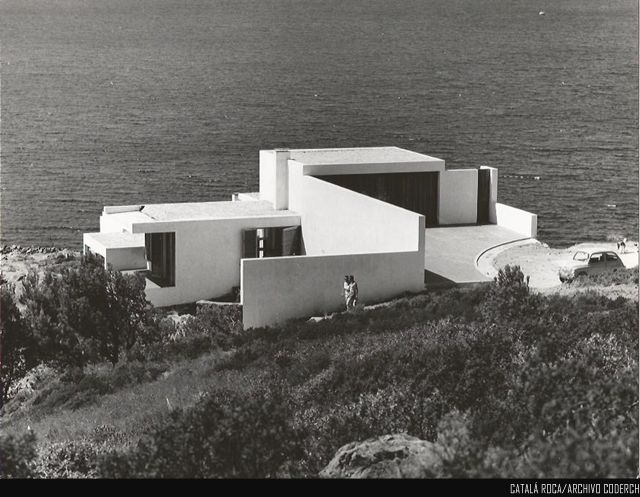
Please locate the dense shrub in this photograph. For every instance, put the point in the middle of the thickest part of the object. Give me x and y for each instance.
(459, 359)
(82, 312)
(618, 276)
(77, 458)
(226, 435)
(17, 454)
(188, 336)
(71, 459)
(77, 388)
(72, 392)
(508, 383)
(16, 345)
(508, 298)
(395, 409)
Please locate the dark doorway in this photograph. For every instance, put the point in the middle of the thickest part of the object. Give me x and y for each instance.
(484, 195)
(417, 192)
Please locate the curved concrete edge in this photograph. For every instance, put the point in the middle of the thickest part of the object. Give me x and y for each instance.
(484, 259)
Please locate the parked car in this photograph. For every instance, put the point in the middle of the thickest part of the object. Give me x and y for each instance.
(589, 263)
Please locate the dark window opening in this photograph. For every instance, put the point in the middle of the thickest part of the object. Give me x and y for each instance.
(271, 242)
(417, 192)
(596, 259)
(160, 251)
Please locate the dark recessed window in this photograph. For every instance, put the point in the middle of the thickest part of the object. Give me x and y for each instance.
(161, 258)
(271, 242)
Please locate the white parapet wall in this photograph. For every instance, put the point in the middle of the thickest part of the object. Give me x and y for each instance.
(274, 182)
(280, 288)
(344, 232)
(458, 202)
(121, 251)
(517, 220)
(336, 220)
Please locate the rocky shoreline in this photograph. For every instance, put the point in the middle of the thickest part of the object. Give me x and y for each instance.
(18, 260)
(28, 249)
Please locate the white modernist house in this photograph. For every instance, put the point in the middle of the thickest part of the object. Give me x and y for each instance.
(320, 214)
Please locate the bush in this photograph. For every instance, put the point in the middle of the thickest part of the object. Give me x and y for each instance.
(69, 459)
(618, 276)
(77, 388)
(508, 298)
(16, 345)
(73, 393)
(77, 458)
(84, 313)
(17, 455)
(226, 435)
(394, 409)
(166, 338)
(509, 383)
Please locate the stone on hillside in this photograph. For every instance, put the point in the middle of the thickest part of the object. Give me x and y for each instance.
(388, 456)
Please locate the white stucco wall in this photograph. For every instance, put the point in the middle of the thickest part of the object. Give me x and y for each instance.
(96, 248)
(344, 232)
(336, 220)
(120, 221)
(273, 177)
(458, 203)
(121, 251)
(493, 173)
(208, 256)
(111, 223)
(517, 220)
(277, 289)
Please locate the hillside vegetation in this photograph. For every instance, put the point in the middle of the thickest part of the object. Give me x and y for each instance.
(513, 383)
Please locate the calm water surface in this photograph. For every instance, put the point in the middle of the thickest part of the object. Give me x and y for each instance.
(119, 102)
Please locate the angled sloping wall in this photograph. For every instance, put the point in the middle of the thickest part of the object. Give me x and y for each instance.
(344, 233)
(336, 220)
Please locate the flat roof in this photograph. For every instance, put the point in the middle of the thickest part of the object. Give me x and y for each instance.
(212, 210)
(118, 240)
(364, 155)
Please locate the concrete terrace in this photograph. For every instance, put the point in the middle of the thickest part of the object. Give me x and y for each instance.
(451, 252)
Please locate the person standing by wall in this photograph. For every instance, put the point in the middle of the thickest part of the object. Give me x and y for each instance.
(346, 290)
(352, 292)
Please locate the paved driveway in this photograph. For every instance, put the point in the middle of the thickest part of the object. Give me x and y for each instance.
(451, 252)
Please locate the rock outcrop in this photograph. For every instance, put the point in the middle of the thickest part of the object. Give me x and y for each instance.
(28, 250)
(388, 456)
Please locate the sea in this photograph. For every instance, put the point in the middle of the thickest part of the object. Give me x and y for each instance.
(108, 102)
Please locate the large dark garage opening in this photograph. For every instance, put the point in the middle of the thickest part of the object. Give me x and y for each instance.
(417, 192)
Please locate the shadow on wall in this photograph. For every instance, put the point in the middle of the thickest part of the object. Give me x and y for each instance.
(435, 280)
